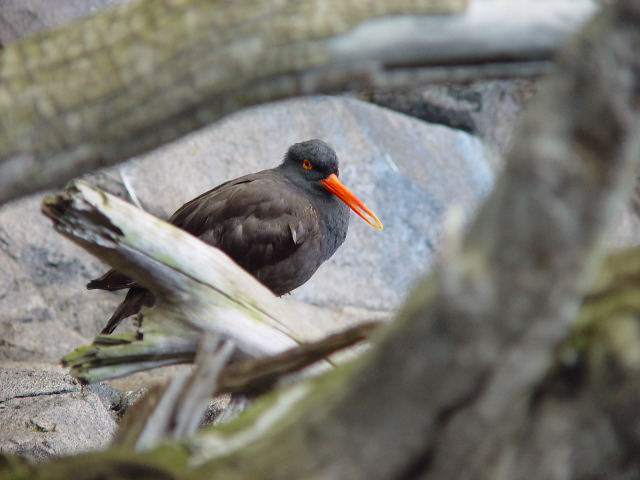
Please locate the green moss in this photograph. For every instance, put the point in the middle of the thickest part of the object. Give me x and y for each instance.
(34, 427)
(15, 468)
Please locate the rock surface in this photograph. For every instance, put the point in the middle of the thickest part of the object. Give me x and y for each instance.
(488, 109)
(44, 413)
(408, 172)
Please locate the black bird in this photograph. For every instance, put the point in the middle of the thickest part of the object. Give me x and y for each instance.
(279, 224)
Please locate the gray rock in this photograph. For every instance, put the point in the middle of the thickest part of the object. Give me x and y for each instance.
(488, 109)
(45, 413)
(43, 309)
(407, 171)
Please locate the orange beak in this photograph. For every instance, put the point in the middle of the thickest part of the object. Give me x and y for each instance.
(335, 186)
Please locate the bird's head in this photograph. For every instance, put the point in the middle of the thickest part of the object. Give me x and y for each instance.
(315, 163)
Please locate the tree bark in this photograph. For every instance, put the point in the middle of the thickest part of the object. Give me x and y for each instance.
(132, 78)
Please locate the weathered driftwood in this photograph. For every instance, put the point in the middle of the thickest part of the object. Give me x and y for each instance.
(199, 288)
(455, 388)
(176, 410)
(131, 78)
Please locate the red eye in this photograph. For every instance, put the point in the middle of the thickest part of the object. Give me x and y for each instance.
(306, 164)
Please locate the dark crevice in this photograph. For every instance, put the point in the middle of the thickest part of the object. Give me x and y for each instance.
(41, 394)
(414, 105)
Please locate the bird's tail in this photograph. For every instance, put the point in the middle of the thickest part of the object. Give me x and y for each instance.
(136, 298)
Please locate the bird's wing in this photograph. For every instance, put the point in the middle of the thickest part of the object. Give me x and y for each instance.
(251, 219)
(115, 280)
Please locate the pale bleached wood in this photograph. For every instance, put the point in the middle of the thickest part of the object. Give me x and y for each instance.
(199, 289)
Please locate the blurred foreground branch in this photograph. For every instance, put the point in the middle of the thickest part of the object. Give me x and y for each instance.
(129, 79)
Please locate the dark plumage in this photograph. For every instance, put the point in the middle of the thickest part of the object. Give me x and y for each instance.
(279, 224)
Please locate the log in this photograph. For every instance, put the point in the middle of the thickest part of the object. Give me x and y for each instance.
(199, 289)
(129, 79)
